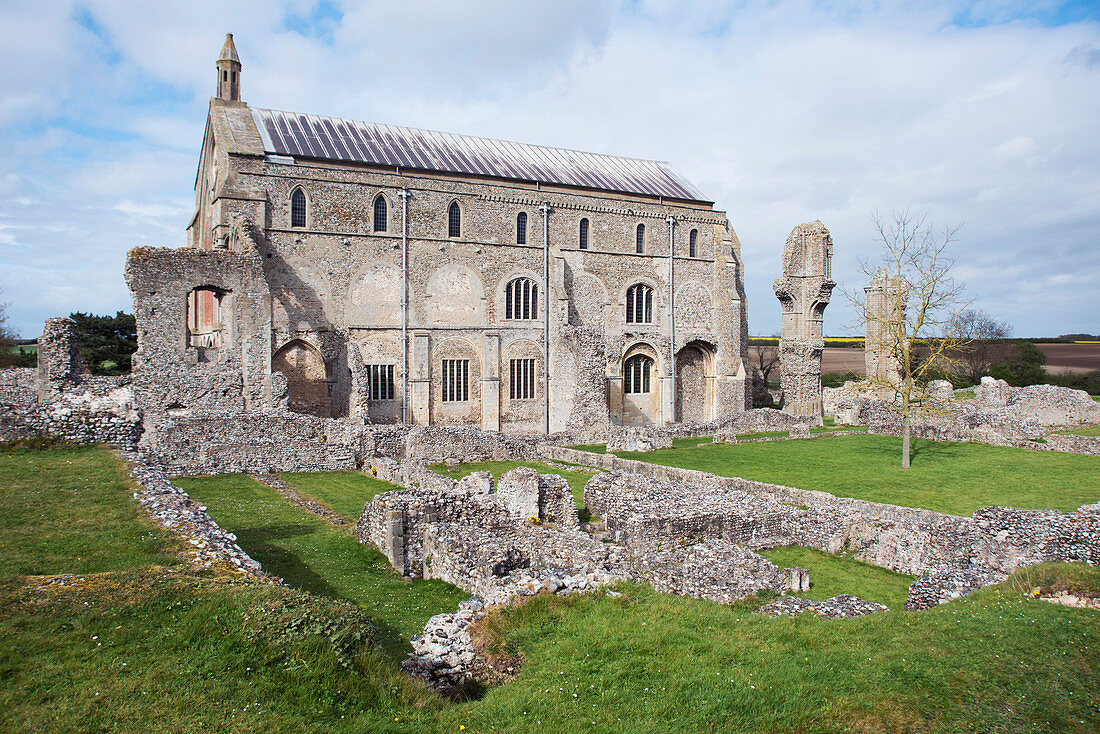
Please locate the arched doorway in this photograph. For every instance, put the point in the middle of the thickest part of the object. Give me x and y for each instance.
(641, 394)
(306, 378)
(695, 383)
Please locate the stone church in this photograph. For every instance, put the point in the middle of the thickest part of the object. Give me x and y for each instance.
(393, 275)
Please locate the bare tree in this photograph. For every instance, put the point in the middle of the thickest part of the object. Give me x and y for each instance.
(765, 358)
(7, 339)
(985, 343)
(917, 327)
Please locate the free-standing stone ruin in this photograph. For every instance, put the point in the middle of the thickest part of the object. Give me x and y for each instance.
(804, 291)
(884, 299)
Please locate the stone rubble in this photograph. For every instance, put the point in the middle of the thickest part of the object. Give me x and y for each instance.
(171, 507)
(444, 655)
(842, 606)
(947, 584)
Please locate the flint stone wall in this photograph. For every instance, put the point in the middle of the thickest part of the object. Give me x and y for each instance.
(999, 415)
(642, 511)
(947, 584)
(462, 532)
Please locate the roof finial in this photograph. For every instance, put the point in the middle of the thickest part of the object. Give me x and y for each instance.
(229, 71)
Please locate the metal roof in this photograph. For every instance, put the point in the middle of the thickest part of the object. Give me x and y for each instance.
(330, 138)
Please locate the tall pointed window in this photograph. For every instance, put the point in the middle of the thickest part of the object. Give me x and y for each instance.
(297, 208)
(639, 304)
(454, 220)
(381, 213)
(521, 228)
(639, 245)
(693, 238)
(521, 299)
(584, 234)
(636, 373)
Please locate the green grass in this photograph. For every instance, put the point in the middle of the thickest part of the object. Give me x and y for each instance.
(345, 492)
(831, 575)
(649, 662)
(309, 555)
(70, 510)
(130, 644)
(576, 479)
(1082, 431)
(148, 648)
(964, 395)
(949, 477)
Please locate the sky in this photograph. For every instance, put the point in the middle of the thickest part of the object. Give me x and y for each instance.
(982, 115)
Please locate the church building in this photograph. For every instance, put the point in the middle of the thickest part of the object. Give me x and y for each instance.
(388, 274)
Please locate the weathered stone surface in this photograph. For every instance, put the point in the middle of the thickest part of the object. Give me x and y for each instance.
(944, 585)
(637, 439)
(804, 292)
(841, 606)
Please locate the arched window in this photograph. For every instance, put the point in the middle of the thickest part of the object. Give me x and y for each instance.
(640, 245)
(692, 239)
(521, 299)
(380, 214)
(454, 220)
(636, 373)
(297, 208)
(521, 228)
(639, 304)
(584, 234)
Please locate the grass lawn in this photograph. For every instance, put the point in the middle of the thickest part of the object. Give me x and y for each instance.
(1082, 431)
(576, 479)
(831, 575)
(309, 555)
(147, 648)
(135, 642)
(345, 492)
(949, 477)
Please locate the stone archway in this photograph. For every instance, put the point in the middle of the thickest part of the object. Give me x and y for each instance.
(695, 383)
(306, 377)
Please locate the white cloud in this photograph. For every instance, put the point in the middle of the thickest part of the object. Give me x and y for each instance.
(784, 112)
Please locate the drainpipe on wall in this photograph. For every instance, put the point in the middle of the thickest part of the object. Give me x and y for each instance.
(404, 194)
(671, 317)
(545, 208)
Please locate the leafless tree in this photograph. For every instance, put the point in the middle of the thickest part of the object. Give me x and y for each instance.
(7, 339)
(985, 343)
(921, 313)
(765, 358)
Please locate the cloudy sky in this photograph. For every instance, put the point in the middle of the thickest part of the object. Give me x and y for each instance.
(982, 114)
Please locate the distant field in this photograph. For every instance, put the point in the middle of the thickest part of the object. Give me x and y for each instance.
(1076, 358)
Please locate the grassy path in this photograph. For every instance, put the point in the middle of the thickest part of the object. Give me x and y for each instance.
(309, 555)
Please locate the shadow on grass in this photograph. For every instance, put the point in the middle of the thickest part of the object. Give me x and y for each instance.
(277, 560)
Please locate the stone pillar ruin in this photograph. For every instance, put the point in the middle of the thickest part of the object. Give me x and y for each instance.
(60, 366)
(804, 292)
(882, 300)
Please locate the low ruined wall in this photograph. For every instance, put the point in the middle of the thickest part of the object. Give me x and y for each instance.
(439, 443)
(660, 504)
(93, 410)
(219, 442)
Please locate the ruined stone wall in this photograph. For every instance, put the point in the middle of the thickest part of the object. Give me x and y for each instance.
(643, 510)
(60, 399)
(171, 371)
(804, 292)
(884, 302)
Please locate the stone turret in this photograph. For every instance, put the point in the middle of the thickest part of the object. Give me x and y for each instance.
(883, 300)
(804, 292)
(229, 71)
